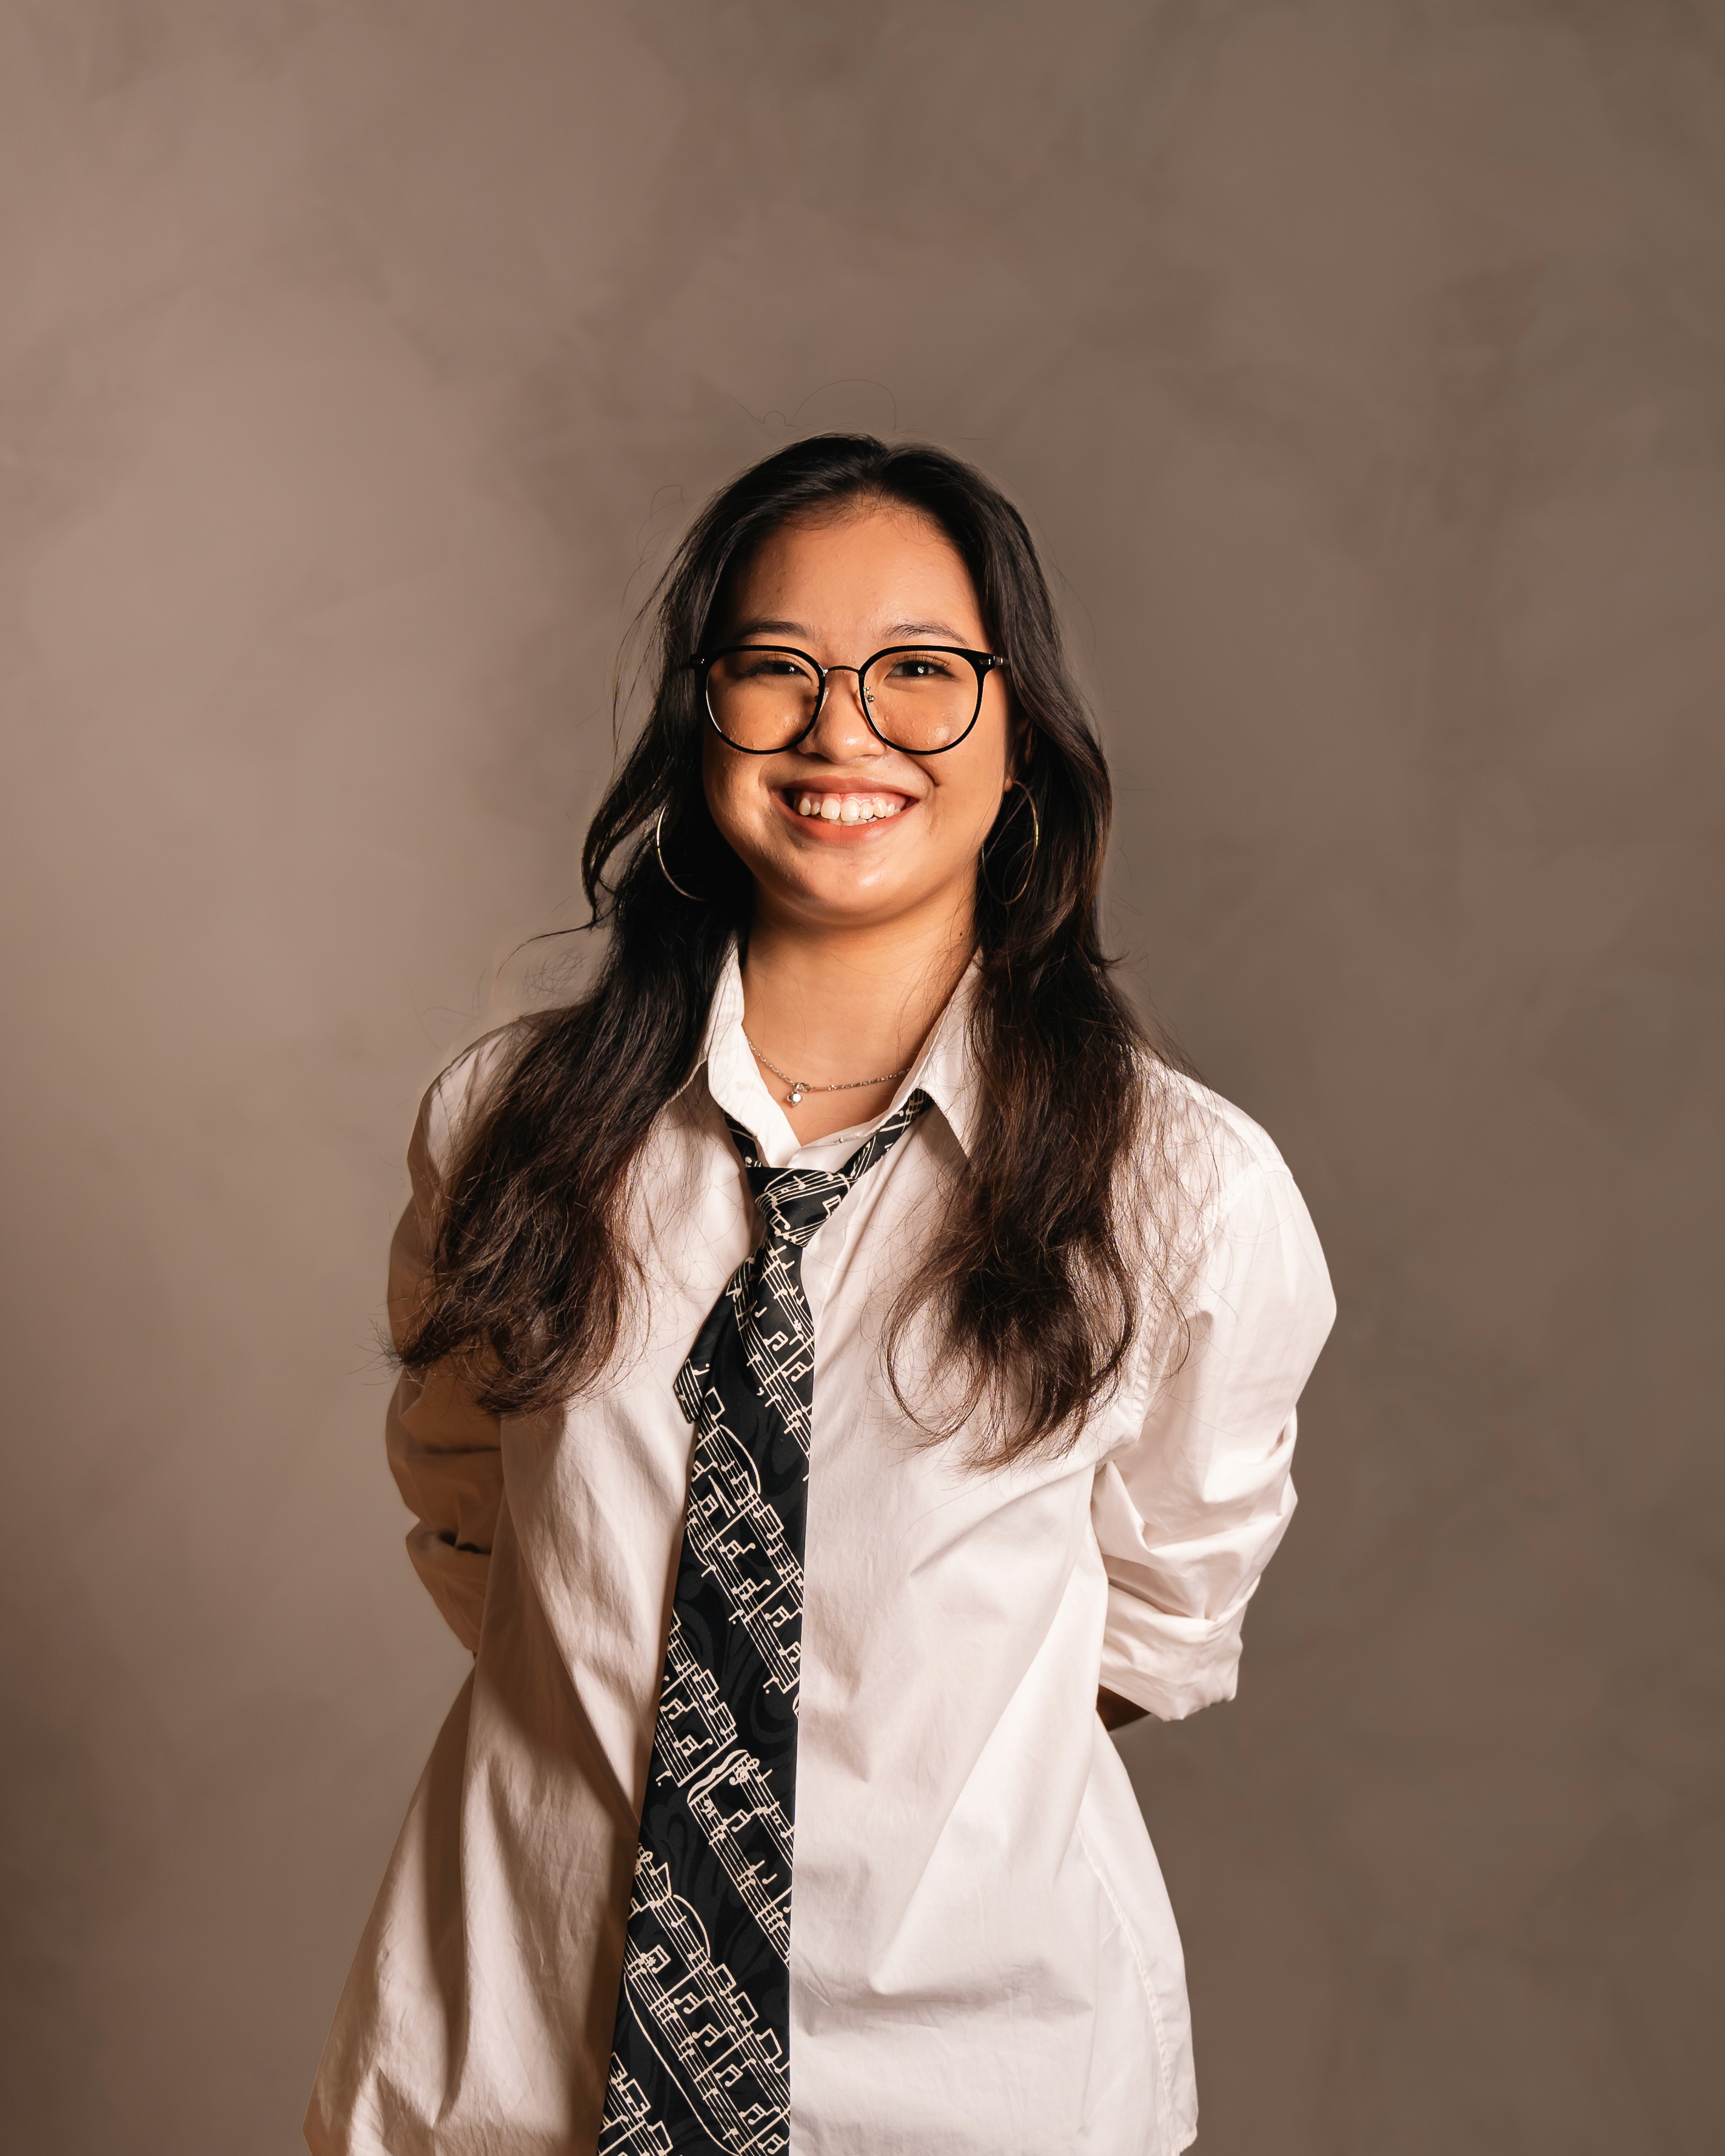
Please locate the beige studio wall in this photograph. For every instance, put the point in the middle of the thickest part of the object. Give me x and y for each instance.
(1360, 367)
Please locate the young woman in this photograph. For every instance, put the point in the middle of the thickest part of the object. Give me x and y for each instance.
(845, 1366)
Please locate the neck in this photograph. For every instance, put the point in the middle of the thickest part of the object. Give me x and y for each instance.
(844, 1003)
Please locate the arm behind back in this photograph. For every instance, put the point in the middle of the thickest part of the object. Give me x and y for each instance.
(444, 1450)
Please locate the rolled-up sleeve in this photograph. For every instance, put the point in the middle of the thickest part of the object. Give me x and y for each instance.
(1189, 1514)
(444, 1450)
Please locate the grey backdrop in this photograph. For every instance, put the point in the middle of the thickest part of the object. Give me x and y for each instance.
(1361, 368)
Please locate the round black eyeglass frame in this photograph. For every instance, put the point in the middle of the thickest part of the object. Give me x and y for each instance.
(984, 663)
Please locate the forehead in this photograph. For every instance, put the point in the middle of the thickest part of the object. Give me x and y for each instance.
(876, 568)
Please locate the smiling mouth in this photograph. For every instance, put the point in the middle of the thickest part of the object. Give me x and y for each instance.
(847, 807)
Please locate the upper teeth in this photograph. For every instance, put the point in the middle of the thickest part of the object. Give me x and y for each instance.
(850, 808)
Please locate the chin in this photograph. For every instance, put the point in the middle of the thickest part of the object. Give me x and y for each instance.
(837, 898)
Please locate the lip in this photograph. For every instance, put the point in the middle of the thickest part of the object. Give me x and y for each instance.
(818, 831)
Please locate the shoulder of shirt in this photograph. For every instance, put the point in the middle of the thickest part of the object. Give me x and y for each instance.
(1214, 1148)
(1226, 1205)
(460, 1089)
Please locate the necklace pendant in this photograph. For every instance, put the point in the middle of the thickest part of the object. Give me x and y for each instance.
(795, 1096)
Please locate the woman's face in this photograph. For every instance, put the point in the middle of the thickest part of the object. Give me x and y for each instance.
(842, 829)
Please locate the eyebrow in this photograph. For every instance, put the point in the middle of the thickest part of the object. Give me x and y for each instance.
(761, 625)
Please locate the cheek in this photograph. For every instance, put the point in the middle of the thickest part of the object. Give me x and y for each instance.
(727, 792)
(972, 795)
(969, 819)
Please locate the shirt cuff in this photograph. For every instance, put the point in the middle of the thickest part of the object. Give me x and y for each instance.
(1170, 1666)
(455, 1579)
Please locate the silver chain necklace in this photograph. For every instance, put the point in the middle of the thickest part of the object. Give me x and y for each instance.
(799, 1086)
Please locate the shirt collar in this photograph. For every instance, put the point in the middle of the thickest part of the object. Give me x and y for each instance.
(945, 1070)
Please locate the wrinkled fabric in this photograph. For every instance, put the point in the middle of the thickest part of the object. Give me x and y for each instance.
(984, 1960)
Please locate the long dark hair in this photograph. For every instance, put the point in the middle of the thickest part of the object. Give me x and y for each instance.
(1031, 1280)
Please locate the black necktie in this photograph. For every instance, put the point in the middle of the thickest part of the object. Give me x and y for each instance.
(700, 2061)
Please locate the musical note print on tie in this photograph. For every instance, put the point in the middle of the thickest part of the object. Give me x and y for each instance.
(700, 2059)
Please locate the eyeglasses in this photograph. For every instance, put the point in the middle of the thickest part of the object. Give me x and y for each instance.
(921, 698)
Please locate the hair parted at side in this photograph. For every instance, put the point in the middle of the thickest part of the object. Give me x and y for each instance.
(1031, 1280)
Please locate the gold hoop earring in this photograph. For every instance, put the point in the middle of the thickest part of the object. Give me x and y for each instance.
(1035, 844)
(657, 821)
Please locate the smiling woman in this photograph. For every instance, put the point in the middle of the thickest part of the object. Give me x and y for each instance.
(815, 1467)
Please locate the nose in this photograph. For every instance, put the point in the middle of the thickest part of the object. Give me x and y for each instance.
(841, 732)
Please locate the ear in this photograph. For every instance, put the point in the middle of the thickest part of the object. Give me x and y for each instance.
(1020, 748)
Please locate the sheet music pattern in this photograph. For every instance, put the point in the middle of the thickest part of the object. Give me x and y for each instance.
(738, 1538)
(630, 2127)
(701, 2024)
(728, 1789)
(700, 2060)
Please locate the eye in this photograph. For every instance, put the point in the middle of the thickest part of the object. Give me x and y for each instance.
(768, 666)
(923, 666)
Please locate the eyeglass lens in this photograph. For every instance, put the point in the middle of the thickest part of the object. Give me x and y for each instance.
(920, 701)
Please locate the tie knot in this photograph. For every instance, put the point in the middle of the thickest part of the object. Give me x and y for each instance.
(795, 1201)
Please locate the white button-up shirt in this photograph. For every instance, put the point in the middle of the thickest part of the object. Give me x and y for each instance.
(984, 1961)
